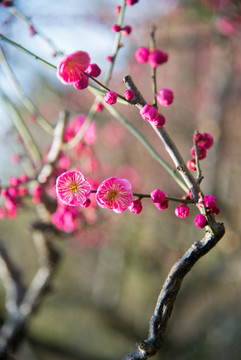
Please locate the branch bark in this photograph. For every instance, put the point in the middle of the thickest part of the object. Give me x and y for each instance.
(169, 292)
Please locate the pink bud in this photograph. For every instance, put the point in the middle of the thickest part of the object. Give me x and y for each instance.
(110, 97)
(86, 203)
(207, 141)
(197, 137)
(162, 206)
(117, 9)
(7, 3)
(110, 58)
(131, 2)
(209, 201)
(93, 70)
(129, 94)
(157, 57)
(13, 191)
(215, 210)
(13, 181)
(200, 221)
(149, 113)
(135, 207)
(159, 121)
(82, 83)
(182, 211)
(158, 196)
(32, 30)
(4, 193)
(141, 55)
(98, 107)
(126, 30)
(116, 28)
(191, 165)
(202, 152)
(165, 97)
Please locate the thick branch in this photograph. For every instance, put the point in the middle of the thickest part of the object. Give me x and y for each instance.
(168, 294)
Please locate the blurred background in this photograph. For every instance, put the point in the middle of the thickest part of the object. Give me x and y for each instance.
(113, 266)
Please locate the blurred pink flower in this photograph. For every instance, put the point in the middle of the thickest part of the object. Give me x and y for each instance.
(74, 126)
(71, 67)
(72, 188)
(114, 193)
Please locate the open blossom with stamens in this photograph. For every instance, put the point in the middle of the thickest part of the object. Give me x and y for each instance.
(114, 193)
(71, 67)
(72, 188)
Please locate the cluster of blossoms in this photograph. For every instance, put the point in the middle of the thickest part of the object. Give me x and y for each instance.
(204, 142)
(124, 30)
(114, 193)
(76, 68)
(153, 57)
(74, 189)
(13, 195)
(150, 113)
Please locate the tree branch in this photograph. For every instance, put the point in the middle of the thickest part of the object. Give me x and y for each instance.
(169, 292)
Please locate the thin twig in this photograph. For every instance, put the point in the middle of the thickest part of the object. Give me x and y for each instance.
(23, 18)
(55, 148)
(153, 70)
(26, 101)
(22, 130)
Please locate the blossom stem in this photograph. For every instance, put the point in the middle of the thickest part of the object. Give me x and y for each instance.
(22, 130)
(171, 149)
(199, 172)
(15, 12)
(153, 70)
(116, 43)
(23, 49)
(170, 198)
(26, 101)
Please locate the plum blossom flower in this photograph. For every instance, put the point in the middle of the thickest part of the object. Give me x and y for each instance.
(200, 221)
(114, 193)
(72, 188)
(71, 67)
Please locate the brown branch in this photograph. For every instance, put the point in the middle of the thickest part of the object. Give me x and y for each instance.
(13, 329)
(12, 282)
(169, 292)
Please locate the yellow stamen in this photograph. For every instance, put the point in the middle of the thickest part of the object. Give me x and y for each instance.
(113, 194)
(73, 187)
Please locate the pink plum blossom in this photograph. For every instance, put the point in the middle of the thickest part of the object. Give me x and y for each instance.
(157, 57)
(191, 165)
(182, 211)
(135, 207)
(81, 83)
(200, 221)
(71, 67)
(141, 55)
(110, 97)
(114, 193)
(165, 97)
(158, 196)
(129, 94)
(72, 188)
(149, 113)
(202, 152)
(74, 126)
(93, 70)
